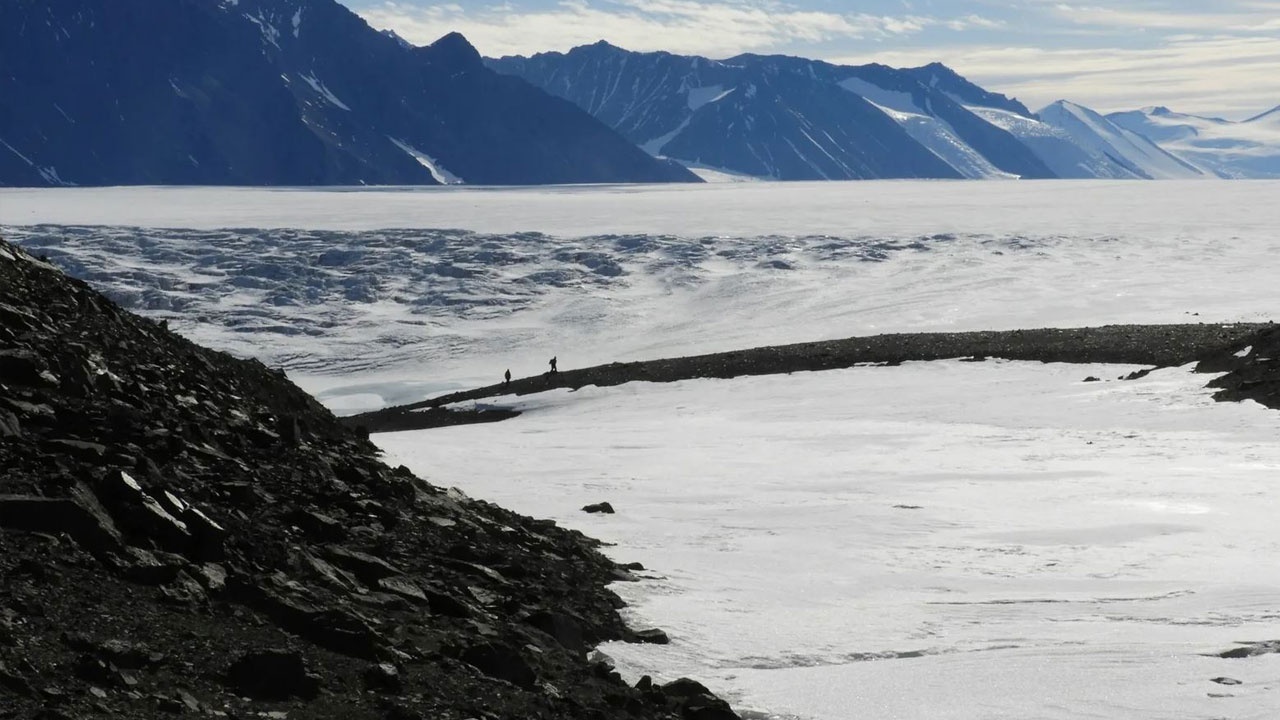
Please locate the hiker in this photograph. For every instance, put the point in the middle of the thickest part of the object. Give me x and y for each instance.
(553, 366)
(506, 377)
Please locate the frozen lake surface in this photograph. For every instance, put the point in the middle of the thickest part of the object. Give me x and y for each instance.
(937, 540)
(942, 540)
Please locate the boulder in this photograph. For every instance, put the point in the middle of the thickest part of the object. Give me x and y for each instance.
(275, 674)
(80, 517)
(9, 425)
(1266, 647)
(600, 507)
(21, 366)
(567, 630)
(501, 662)
(696, 702)
(383, 677)
(368, 568)
(652, 636)
(318, 525)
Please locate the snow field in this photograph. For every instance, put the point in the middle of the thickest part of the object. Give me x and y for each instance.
(955, 540)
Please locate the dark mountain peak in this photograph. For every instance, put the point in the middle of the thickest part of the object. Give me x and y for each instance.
(396, 36)
(941, 77)
(276, 92)
(606, 49)
(1160, 110)
(941, 69)
(456, 50)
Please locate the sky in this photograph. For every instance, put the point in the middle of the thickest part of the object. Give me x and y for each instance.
(1210, 57)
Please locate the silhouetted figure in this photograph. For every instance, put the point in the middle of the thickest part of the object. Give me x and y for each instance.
(553, 366)
(506, 377)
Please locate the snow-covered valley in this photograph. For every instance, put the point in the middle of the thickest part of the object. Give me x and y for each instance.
(951, 540)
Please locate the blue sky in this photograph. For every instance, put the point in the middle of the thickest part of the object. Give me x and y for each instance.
(1216, 57)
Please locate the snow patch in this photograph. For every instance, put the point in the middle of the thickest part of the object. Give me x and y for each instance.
(720, 175)
(700, 96)
(269, 32)
(654, 146)
(324, 92)
(935, 135)
(902, 102)
(297, 22)
(49, 174)
(438, 171)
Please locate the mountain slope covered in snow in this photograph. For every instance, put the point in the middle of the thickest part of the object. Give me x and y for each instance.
(1247, 149)
(787, 118)
(275, 92)
(1131, 150)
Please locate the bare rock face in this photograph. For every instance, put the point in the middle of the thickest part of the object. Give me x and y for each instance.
(185, 532)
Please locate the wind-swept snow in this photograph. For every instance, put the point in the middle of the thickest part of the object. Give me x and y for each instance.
(438, 171)
(1056, 147)
(936, 135)
(1096, 133)
(700, 96)
(1249, 149)
(324, 91)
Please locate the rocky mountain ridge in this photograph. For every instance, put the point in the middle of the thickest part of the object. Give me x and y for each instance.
(790, 118)
(184, 532)
(275, 92)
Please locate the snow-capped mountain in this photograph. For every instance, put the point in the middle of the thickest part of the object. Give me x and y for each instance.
(1102, 138)
(271, 92)
(787, 118)
(1247, 149)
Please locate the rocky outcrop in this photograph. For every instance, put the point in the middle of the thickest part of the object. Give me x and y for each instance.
(1216, 347)
(185, 532)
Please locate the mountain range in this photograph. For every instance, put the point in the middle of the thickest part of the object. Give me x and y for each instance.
(788, 118)
(275, 92)
(304, 92)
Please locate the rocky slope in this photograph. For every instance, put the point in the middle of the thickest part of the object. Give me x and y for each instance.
(182, 532)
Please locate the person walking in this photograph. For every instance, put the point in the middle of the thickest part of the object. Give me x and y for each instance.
(553, 366)
(506, 378)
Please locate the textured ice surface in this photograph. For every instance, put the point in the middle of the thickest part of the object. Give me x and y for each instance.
(598, 274)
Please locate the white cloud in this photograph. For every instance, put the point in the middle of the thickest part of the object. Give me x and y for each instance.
(1194, 56)
(1246, 18)
(716, 28)
(1226, 75)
